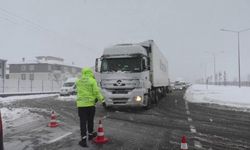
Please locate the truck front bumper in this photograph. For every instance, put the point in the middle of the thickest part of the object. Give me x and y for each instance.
(124, 98)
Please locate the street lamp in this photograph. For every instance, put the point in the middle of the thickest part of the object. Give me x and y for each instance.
(238, 34)
(214, 59)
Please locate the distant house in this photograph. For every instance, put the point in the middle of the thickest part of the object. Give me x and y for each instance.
(43, 68)
(2, 68)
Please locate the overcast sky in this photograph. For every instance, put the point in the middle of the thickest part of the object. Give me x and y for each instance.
(186, 31)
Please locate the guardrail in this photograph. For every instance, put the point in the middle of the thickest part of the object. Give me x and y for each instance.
(27, 93)
(29, 86)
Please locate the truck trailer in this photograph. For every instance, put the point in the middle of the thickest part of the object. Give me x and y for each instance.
(133, 74)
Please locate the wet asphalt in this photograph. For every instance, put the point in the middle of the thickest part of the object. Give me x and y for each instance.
(206, 126)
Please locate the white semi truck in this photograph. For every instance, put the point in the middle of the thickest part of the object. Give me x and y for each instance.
(133, 74)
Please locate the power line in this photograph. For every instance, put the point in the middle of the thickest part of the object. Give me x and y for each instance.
(12, 16)
(16, 21)
(22, 18)
(8, 20)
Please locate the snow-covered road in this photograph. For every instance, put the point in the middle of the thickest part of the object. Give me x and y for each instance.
(159, 128)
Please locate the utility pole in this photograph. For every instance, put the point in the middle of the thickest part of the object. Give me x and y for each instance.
(238, 36)
(214, 61)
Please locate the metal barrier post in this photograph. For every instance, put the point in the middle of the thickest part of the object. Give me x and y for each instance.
(42, 85)
(18, 85)
(31, 85)
(1, 132)
(3, 85)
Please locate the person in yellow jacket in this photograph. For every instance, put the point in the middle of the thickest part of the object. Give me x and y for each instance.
(88, 93)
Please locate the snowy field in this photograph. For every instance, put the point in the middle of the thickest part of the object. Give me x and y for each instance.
(11, 99)
(26, 121)
(66, 98)
(17, 116)
(232, 96)
(14, 117)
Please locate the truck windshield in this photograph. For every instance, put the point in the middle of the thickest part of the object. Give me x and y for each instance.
(132, 64)
(68, 84)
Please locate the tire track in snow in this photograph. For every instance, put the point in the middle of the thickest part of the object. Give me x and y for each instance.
(193, 130)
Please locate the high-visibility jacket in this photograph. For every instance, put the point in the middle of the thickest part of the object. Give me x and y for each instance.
(87, 90)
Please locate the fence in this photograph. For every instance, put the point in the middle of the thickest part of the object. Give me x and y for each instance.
(228, 83)
(18, 85)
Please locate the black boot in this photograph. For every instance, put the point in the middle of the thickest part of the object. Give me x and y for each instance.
(92, 135)
(83, 142)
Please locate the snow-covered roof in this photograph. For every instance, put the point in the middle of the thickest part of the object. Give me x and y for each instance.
(34, 61)
(146, 43)
(49, 58)
(125, 49)
(3, 60)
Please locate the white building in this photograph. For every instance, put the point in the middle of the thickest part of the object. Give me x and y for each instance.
(43, 68)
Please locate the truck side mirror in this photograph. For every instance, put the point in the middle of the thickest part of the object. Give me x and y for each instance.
(148, 63)
(97, 65)
(144, 67)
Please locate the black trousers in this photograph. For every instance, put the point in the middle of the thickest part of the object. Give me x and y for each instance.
(86, 115)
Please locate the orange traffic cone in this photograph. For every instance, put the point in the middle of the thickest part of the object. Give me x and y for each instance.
(100, 139)
(184, 145)
(53, 123)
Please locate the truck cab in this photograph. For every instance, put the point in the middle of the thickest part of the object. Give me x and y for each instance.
(126, 75)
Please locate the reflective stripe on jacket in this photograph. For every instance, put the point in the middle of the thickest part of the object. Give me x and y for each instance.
(87, 89)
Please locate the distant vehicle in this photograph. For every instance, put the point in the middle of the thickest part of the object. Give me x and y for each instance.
(180, 85)
(188, 85)
(69, 87)
(133, 74)
(171, 87)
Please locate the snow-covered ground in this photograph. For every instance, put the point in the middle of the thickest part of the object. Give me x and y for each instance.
(66, 98)
(14, 117)
(232, 96)
(24, 126)
(23, 97)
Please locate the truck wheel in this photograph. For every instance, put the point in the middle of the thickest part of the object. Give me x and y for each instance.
(165, 91)
(153, 97)
(106, 107)
(156, 96)
(149, 102)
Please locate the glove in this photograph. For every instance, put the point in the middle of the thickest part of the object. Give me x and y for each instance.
(103, 104)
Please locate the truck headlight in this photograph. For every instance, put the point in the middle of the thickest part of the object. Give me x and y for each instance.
(138, 98)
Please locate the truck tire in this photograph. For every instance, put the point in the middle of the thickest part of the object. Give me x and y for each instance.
(106, 107)
(165, 91)
(156, 96)
(149, 102)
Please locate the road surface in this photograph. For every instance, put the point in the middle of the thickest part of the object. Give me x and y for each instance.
(206, 126)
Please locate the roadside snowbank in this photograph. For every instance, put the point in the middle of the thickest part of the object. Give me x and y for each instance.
(15, 117)
(23, 97)
(223, 95)
(66, 98)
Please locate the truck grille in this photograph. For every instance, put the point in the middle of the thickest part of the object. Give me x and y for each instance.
(120, 100)
(120, 92)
